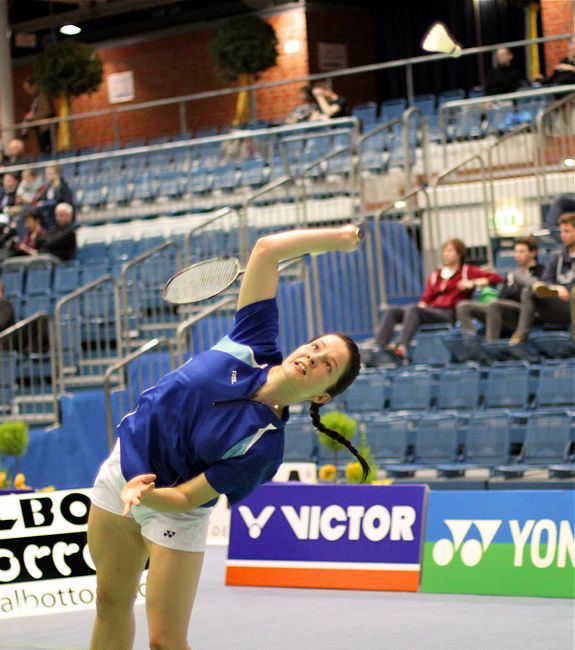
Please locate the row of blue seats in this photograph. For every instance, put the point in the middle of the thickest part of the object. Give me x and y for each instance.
(453, 445)
(515, 385)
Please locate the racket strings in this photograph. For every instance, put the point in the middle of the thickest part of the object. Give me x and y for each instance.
(201, 281)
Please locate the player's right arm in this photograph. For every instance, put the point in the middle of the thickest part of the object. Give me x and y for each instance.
(261, 277)
(191, 494)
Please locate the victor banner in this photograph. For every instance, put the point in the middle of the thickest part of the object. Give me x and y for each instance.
(341, 537)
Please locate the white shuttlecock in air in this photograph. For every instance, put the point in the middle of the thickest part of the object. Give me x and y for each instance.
(438, 39)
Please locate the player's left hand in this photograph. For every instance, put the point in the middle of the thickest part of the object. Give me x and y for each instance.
(135, 489)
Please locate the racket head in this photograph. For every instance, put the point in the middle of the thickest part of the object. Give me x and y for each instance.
(201, 281)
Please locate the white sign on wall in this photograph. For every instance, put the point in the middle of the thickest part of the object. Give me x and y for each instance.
(331, 56)
(121, 87)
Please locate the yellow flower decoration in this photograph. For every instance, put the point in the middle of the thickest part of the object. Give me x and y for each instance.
(3, 476)
(20, 482)
(353, 472)
(327, 472)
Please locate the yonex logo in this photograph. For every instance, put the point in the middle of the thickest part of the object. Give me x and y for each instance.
(169, 533)
(470, 551)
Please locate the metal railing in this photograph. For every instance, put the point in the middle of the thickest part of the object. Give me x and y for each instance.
(28, 371)
(126, 379)
(88, 333)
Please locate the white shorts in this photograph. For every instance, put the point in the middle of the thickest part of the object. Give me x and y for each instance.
(182, 532)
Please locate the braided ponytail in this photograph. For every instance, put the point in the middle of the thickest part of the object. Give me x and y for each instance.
(315, 418)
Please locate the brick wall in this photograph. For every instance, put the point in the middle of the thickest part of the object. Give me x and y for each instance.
(557, 17)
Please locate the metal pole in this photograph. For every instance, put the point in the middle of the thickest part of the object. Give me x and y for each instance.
(479, 39)
(7, 95)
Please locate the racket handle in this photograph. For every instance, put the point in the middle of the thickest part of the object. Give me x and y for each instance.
(360, 233)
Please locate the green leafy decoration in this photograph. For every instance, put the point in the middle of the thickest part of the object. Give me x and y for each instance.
(244, 45)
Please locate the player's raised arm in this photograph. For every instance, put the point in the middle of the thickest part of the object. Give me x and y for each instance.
(261, 277)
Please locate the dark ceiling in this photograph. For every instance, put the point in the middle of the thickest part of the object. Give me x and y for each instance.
(109, 19)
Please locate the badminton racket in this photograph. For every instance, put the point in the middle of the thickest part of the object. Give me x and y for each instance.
(209, 278)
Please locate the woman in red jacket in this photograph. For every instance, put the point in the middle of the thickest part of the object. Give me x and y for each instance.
(445, 287)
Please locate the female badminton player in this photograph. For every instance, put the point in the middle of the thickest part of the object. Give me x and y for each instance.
(213, 426)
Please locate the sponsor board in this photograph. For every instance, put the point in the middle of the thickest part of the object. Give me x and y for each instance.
(341, 537)
(517, 543)
(45, 565)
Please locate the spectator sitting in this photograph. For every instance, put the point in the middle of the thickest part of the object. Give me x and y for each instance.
(8, 191)
(445, 287)
(550, 298)
(564, 72)
(503, 313)
(7, 315)
(29, 187)
(502, 78)
(306, 109)
(14, 154)
(562, 204)
(55, 190)
(61, 239)
(330, 104)
(34, 231)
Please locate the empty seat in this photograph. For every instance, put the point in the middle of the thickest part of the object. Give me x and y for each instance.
(411, 390)
(435, 443)
(39, 279)
(547, 444)
(556, 386)
(35, 304)
(300, 440)
(66, 278)
(554, 345)
(13, 281)
(458, 388)
(366, 393)
(507, 385)
(428, 346)
(392, 108)
(387, 437)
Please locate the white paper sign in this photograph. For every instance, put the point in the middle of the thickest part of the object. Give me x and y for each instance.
(121, 87)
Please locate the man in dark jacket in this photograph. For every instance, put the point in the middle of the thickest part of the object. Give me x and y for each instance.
(61, 239)
(551, 298)
(503, 77)
(503, 313)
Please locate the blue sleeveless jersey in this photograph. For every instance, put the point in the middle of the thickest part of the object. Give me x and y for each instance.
(200, 418)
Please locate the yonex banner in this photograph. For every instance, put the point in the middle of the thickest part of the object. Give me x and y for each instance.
(502, 543)
(341, 537)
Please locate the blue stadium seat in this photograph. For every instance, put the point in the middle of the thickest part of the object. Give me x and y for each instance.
(392, 108)
(428, 348)
(553, 345)
(487, 443)
(7, 381)
(507, 385)
(13, 281)
(66, 279)
(458, 388)
(366, 394)
(201, 181)
(505, 261)
(300, 440)
(435, 443)
(411, 390)
(253, 173)
(547, 445)
(367, 113)
(121, 250)
(92, 253)
(464, 347)
(450, 95)
(39, 279)
(38, 303)
(94, 271)
(387, 437)
(556, 384)
(144, 187)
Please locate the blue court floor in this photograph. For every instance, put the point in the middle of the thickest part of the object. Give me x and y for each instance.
(248, 618)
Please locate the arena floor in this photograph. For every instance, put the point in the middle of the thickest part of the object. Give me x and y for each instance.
(246, 618)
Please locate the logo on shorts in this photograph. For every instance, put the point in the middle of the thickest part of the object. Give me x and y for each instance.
(234, 376)
(169, 533)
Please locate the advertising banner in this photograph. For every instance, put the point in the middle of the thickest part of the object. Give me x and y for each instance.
(45, 566)
(517, 543)
(340, 537)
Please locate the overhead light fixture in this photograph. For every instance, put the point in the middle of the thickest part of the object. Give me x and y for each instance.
(569, 162)
(70, 30)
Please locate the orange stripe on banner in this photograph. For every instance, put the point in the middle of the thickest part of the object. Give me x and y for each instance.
(323, 578)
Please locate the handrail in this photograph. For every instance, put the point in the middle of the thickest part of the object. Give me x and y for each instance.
(114, 368)
(72, 296)
(220, 214)
(374, 67)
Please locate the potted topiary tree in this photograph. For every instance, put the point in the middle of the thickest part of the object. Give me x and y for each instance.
(354, 471)
(65, 70)
(13, 443)
(242, 48)
(345, 426)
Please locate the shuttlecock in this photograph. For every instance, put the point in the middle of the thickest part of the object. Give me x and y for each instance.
(438, 39)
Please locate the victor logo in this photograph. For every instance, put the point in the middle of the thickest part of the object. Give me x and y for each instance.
(334, 522)
(470, 551)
